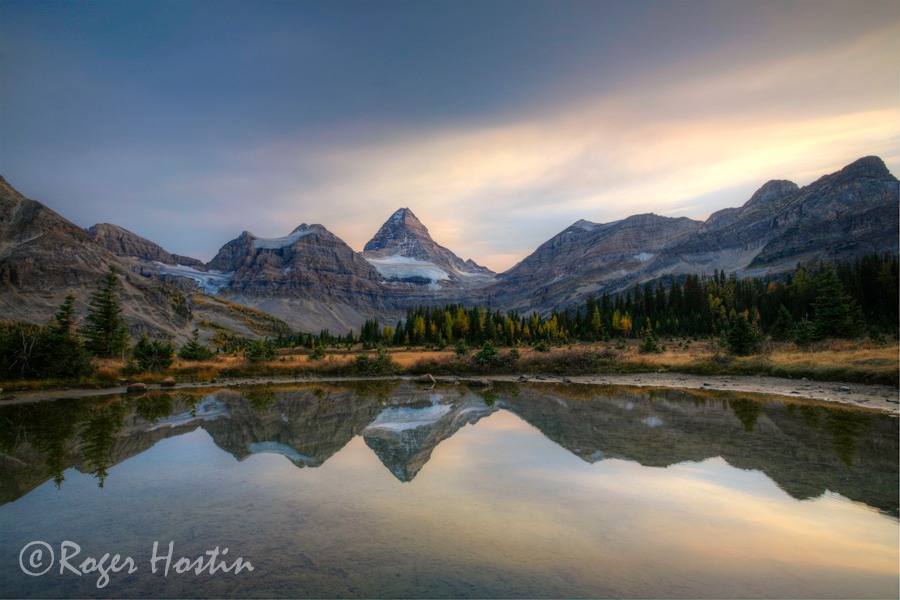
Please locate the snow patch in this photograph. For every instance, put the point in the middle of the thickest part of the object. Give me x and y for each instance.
(644, 256)
(276, 243)
(652, 422)
(276, 448)
(208, 281)
(208, 409)
(403, 418)
(404, 267)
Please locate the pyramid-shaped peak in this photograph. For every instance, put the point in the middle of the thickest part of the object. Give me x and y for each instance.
(402, 214)
(402, 225)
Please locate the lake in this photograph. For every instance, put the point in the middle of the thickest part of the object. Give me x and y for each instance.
(389, 489)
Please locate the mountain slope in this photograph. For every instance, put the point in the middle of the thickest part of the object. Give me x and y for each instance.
(586, 258)
(44, 256)
(402, 250)
(124, 243)
(310, 278)
(838, 217)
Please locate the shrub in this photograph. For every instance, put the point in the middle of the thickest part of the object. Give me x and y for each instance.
(542, 346)
(194, 350)
(318, 352)
(154, 356)
(650, 345)
(487, 354)
(261, 350)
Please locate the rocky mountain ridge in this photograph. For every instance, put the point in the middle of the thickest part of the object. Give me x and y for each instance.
(312, 279)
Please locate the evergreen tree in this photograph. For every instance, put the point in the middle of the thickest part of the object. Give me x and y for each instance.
(804, 333)
(61, 353)
(836, 314)
(261, 350)
(105, 330)
(783, 328)
(193, 349)
(154, 356)
(742, 339)
(650, 345)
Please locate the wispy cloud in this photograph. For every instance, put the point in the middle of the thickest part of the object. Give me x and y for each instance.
(495, 191)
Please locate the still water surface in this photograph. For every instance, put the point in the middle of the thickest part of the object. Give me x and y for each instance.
(389, 490)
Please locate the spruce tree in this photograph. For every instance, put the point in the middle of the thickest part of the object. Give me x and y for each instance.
(835, 312)
(783, 328)
(193, 349)
(62, 353)
(105, 330)
(742, 339)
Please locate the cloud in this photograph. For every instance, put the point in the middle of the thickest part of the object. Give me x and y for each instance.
(496, 191)
(685, 109)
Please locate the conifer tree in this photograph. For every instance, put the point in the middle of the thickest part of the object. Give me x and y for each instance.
(783, 328)
(62, 354)
(836, 314)
(193, 349)
(742, 339)
(105, 330)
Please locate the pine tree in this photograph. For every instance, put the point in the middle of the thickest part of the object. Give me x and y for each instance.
(105, 330)
(154, 356)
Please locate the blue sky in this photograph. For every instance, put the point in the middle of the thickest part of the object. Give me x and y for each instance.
(498, 123)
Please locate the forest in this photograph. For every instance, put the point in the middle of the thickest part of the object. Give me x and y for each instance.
(844, 300)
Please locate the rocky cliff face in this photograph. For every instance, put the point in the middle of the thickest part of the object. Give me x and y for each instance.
(43, 257)
(124, 243)
(588, 258)
(403, 250)
(310, 278)
(838, 217)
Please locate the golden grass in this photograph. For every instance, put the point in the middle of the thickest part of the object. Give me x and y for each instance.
(840, 360)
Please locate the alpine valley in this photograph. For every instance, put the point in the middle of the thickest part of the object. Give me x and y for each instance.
(311, 280)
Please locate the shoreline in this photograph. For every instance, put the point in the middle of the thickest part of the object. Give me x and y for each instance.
(882, 398)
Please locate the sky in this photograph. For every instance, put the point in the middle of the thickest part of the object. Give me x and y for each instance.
(498, 124)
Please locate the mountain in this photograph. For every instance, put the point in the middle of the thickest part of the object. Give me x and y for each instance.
(836, 218)
(587, 258)
(403, 250)
(124, 243)
(310, 278)
(43, 257)
(313, 280)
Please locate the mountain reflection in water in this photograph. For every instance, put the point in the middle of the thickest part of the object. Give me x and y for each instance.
(805, 448)
(385, 489)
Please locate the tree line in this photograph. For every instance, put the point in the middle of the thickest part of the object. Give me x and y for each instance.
(845, 300)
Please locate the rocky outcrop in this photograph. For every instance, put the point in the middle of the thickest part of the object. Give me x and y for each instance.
(310, 278)
(124, 243)
(588, 258)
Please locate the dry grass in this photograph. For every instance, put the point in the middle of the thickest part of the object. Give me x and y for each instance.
(841, 360)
